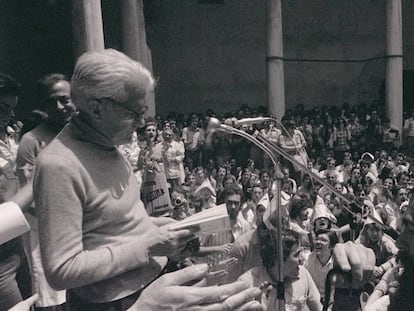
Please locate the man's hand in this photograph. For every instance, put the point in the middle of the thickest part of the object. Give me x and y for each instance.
(162, 242)
(225, 248)
(171, 292)
(356, 259)
(25, 305)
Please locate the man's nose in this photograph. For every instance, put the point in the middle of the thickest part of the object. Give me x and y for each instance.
(59, 105)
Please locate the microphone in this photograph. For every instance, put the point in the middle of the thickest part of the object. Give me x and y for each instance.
(250, 121)
(215, 124)
(246, 121)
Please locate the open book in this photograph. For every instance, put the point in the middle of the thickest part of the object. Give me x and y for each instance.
(212, 220)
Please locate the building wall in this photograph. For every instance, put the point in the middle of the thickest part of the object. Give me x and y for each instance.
(214, 55)
(207, 55)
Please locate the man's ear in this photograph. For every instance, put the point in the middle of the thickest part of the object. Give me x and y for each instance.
(94, 108)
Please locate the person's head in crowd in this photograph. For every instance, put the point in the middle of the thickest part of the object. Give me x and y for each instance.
(168, 135)
(339, 187)
(292, 253)
(356, 175)
(108, 85)
(322, 217)
(330, 163)
(388, 183)
(194, 121)
(245, 177)
(299, 205)
(348, 165)
(360, 194)
(311, 163)
(394, 152)
(250, 164)
(233, 164)
(187, 190)
(402, 195)
(403, 178)
(255, 176)
(159, 120)
(373, 231)
(331, 177)
(221, 172)
(199, 174)
(190, 179)
(264, 178)
(229, 180)
(166, 125)
(341, 123)
(306, 181)
(150, 130)
(257, 193)
(210, 166)
(355, 156)
(347, 156)
(232, 198)
(287, 187)
(335, 207)
(9, 93)
(54, 96)
(187, 170)
(400, 159)
(325, 241)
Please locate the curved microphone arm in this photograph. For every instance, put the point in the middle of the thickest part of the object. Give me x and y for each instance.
(272, 156)
(319, 179)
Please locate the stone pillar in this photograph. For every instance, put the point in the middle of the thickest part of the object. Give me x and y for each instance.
(87, 26)
(394, 69)
(134, 40)
(274, 67)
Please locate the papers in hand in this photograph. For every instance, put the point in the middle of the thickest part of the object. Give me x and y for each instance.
(209, 221)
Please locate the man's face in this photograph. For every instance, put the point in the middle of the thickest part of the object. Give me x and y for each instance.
(265, 179)
(321, 223)
(257, 194)
(374, 233)
(292, 263)
(233, 203)
(120, 120)
(194, 122)
(151, 131)
(59, 106)
(7, 105)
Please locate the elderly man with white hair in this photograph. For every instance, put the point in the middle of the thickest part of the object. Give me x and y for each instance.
(96, 239)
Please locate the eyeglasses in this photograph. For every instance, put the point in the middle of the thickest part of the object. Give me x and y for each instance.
(137, 115)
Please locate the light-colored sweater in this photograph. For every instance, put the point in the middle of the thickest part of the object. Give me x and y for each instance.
(92, 223)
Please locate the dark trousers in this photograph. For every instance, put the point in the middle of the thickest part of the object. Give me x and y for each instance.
(76, 303)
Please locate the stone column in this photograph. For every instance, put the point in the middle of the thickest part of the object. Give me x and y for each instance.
(274, 66)
(134, 40)
(87, 26)
(394, 69)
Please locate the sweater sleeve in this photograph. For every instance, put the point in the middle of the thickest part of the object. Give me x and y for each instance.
(60, 197)
(26, 156)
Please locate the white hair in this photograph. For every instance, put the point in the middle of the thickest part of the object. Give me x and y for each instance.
(109, 74)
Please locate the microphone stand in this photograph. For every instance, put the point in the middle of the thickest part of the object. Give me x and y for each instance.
(272, 150)
(280, 285)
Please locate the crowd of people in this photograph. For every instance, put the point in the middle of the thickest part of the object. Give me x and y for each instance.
(108, 183)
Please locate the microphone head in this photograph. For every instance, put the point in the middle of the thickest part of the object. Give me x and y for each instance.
(213, 123)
